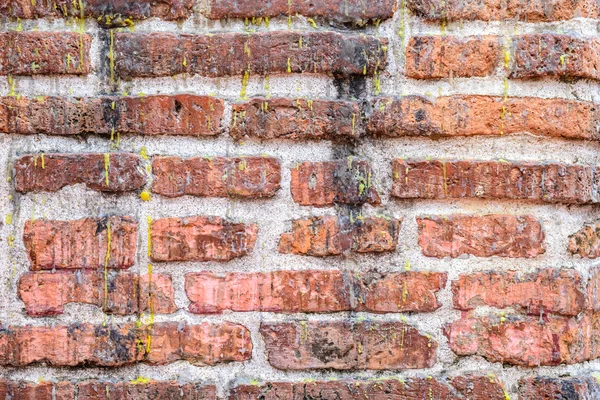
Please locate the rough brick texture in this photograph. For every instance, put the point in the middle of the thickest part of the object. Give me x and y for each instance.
(113, 346)
(47, 293)
(81, 244)
(556, 291)
(481, 236)
(296, 119)
(528, 341)
(435, 57)
(457, 388)
(353, 11)
(347, 345)
(336, 182)
(501, 180)
(107, 12)
(331, 236)
(200, 239)
(235, 54)
(586, 241)
(44, 53)
(493, 10)
(547, 388)
(249, 177)
(152, 115)
(463, 115)
(108, 172)
(564, 56)
(313, 291)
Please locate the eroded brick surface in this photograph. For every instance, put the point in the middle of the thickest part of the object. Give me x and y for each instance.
(548, 388)
(330, 236)
(246, 177)
(482, 236)
(81, 244)
(200, 239)
(586, 241)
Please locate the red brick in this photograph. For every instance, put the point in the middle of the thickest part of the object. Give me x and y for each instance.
(548, 388)
(297, 119)
(593, 290)
(547, 183)
(347, 346)
(482, 236)
(247, 177)
(45, 53)
(313, 291)
(200, 239)
(236, 54)
(52, 172)
(46, 294)
(108, 12)
(330, 235)
(586, 241)
(340, 11)
(435, 57)
(81, 243)
(201, 344)
(113, 346)
(494, 10)
(458, 388)
(564, 56)
(550, 290)
(529, 341)
(151, 115)
(469, 115)
(323, 184)
(102, 390)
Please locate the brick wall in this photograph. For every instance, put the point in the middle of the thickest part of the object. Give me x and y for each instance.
(299, 200)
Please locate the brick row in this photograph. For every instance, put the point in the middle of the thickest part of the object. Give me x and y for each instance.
(313, 291)
(46, 294)
(302, 119)
(119, 345)
(492, 10)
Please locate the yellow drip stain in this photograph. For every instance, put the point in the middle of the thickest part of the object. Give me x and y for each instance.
(106, 263)
(106, 167)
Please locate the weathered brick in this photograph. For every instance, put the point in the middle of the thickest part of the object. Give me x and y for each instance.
(550, 290)
(586, 241)
(113, 346)
(323, 184)
(459, 388)
(249, 177)
(200, 239)
(297, 119)
(548, 388)
(81, 243)
(46, 294)
(237, 54)
(435, 57)
(482, 236)
(44, 53)
(339, 11)
(103, 390)
(150, 115)
(592, 300)
(347, 346)
(529, 341)
(107, 12)
(313, 291)
(548, 183)
(330, 235)
(109, 172)
(494, 10)
(564, 56)
(469, 115)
